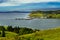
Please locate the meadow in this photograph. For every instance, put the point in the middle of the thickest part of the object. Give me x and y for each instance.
(49, 34)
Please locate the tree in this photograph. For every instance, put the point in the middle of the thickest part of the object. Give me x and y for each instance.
(25, 31)
(16, 29)
(3, 31)
(9, 28)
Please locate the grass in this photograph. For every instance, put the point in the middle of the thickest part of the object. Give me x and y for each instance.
(9, 36)
(50, 34)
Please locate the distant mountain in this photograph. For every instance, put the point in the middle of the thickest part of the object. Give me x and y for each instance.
(42, 10)
(16, 12)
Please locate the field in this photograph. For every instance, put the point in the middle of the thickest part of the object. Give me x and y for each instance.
(50, 34)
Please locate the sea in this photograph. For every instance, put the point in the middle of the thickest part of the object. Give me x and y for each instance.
(9, 19)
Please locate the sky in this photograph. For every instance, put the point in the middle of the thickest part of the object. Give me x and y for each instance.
(19, 2)
(6, 5)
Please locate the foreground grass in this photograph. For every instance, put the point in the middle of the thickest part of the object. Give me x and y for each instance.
(51, 34)
(9, 36)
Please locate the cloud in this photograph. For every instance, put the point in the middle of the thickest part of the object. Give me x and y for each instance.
(9, 3)
(6, 4)
(19, 2)
(34, 1)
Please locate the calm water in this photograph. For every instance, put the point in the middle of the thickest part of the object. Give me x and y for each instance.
(8, 19)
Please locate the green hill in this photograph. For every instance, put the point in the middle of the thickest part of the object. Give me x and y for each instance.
(45, 14)
(51, 34)
(9, 36)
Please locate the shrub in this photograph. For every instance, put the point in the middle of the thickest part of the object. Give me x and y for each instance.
(25, 31)
(3, 31)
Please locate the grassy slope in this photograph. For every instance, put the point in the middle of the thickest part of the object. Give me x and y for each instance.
(9, 36)
(52, 34)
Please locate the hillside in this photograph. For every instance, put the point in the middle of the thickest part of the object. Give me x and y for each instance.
(55, 14)
(9, 36)
(51, 34)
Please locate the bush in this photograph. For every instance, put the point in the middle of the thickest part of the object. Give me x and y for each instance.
(9, 28)
(16, 29)
(25, 31)
(3, 31)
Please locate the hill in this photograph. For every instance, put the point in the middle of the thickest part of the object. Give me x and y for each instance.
(51, 34)
(9, 36)
(55, 14)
